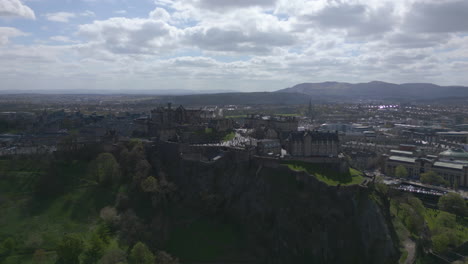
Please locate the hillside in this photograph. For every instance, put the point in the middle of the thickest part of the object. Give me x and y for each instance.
(378, 90)
(328, 92)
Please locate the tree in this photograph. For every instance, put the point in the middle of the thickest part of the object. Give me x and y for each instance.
(412, 219)
(131, 227)
(109, 215)
(105, 169)
(149, 184)
(39, 256)
(7, 247)
(432, 178)
(442, 241)
(140, 254)
(453, 203)
(114, 256)
(69, 249)
(143, 168)
(445, 219)
(103, 231)
(94, 250)
(401, 172)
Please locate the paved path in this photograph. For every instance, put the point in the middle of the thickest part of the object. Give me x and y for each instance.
(410, 247)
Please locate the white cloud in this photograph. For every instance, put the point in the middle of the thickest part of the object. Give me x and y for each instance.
(14, 8)
(249, 44)
(160, 14)
(64, 17)
(87, 13)
(8, 32)
(131, 36)
(438, 17)
(63, 39)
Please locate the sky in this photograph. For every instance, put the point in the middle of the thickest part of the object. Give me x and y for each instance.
(241, 45)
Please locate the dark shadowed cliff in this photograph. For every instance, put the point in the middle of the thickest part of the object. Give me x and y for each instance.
(291, 217)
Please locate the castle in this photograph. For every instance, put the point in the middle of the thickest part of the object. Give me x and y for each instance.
(313, 143)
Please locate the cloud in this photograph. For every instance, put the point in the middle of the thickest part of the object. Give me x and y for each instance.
(131, 36)
(249, 44)
(241, 32)
(227, 4)
(437, 17)
(416, 40)
(237, 40)
(14, 8)
(64, 17)
(160, 14)
(8, 32)
(63, 39)
(354, 19)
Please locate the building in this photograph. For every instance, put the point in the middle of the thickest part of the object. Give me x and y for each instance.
(454, 154)
(169, 117)
(313, 143)
(268, 147)
(409, 163)
(401, 153)
(451, 171)
(453, 136)
(279, 123)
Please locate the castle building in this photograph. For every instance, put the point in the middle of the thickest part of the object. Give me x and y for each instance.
(313, 143)
(169, 117)
(280, 124)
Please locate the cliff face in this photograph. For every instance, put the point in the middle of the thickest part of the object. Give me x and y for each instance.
(291, 217)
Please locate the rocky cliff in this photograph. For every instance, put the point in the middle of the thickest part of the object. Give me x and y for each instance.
(291, 217)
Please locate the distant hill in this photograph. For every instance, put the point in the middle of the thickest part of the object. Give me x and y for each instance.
(115, 92)
(378, 90)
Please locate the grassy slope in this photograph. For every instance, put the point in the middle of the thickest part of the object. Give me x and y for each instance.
(327, 174)
(461, 228)
(430, 215)
(229, 136)
(41, 224)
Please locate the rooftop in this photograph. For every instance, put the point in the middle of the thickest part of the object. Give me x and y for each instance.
(454, 133)
(402, 159)
(401, 152)
(454, 153)
(448, 165)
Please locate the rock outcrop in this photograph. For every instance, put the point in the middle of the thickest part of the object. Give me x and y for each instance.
(291, 216)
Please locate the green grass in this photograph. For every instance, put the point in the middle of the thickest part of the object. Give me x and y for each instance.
(235, 116)
(404, 255)
(205, 240)
(459, 230)
(229, 136)
(461, 227)
(38, 223)
(327, 173)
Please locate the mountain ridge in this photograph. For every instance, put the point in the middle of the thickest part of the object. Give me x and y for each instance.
(378, 90)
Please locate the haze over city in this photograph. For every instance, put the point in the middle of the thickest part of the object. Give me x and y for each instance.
(257, 45)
